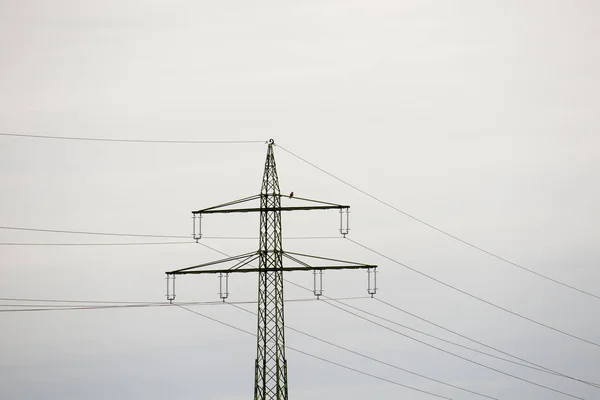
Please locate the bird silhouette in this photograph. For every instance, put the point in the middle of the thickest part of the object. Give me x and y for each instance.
(291, 195)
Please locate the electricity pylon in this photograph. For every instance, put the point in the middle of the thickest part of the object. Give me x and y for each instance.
(271, 381)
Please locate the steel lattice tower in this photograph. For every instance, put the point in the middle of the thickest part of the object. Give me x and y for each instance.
(271, 366)
(271, 382)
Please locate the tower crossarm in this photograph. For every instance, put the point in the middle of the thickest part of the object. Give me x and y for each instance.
(258, 209)
(243, 264)
(284, 269)
(227, 207)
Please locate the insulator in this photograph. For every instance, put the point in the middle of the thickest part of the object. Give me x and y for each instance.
(371, 281)
(196, 226)
(223, 286)
(318, 283)
(344, 221)
(170, 288)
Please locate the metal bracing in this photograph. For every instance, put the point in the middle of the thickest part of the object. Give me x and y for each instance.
(271, 381)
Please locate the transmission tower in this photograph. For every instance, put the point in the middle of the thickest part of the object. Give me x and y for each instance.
(271, 381)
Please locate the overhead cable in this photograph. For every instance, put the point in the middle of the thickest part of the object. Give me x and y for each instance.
(118, 305)
(453, 354)
(532, 365)
(287, 327)
(465, 242)
(425, 343)
(16, 228)
(329, 302)
(97, 139)
(92, 244)
(317, 357)
(476, 297)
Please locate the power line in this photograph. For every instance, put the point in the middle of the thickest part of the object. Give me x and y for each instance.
(328, 302)
(155, 236)
(140, 243)
(92, 244)
(96, 139)
(130, 243)
(170, 236)
(455, 288)
(535, 366)
(100, 234)
(435, 347)
(453, 354)
(25, 299)
(322, 170)
(374, 359)
(137, 305)
(441, 230)
(124, 304)
(475, 297)
(317, 357)
(96, 233)
(425, 343)
(75, 308)
(119, 305)
(540, 369)
(73, 301)
(180, 236)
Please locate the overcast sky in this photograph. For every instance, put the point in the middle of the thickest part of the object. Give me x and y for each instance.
(479, 117)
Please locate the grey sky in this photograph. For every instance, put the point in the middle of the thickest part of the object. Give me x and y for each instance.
(478, 117)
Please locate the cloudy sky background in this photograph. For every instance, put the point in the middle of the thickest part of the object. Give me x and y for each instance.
(480, 118)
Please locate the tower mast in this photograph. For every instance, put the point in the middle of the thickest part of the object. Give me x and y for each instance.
(271, 365)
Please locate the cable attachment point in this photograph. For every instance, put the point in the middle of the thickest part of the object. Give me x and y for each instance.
(344, 221)
(223, 288)
(318, 283)
(170, 288)
(197, 226)
(372, 281)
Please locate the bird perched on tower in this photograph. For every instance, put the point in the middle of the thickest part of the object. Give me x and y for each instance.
(291, 195)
